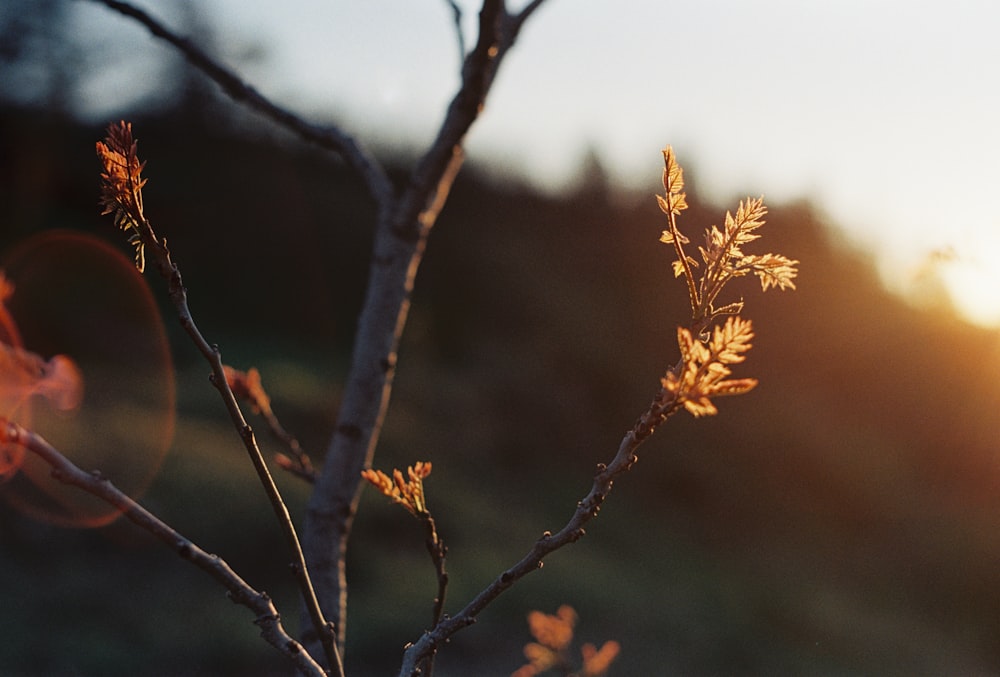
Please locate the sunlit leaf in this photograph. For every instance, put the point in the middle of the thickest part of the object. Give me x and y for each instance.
(701, 373)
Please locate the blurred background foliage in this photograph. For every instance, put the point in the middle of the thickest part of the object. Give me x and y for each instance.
(843, 518)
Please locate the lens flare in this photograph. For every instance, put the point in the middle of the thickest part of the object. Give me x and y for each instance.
(85, 363)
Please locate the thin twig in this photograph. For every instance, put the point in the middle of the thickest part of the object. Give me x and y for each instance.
(328, 137)
(586, 510)
(517, 20)
(407, 491)
(121, 195)
(249, 387)
(438, 552)
(456, 12)
(178, 294)
(239, 590)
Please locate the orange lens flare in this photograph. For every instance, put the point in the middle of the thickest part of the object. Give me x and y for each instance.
(13, 385)
(84, 362)
(24, 374)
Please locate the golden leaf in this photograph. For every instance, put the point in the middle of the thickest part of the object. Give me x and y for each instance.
(121, 185)
(774, 270)
(702, 371)
(596, 662)
(673, 184)
(409, 492)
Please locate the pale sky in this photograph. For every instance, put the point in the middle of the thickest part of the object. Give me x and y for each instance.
(883, 112)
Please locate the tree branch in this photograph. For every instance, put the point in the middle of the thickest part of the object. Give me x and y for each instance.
(248, 386)
(456, 12)
(239, 591)
(401, 237)
(121, 195)
(586, 509)
(178, 294)
(524, 14)
(329, 137)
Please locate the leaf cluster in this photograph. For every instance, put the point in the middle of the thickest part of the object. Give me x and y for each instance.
(722, 254)
(550, 651)
(704, 366)
(409, 493)
(121, 185)
(706, 355)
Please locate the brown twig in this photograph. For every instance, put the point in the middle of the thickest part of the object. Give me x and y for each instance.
(248, 386)
(456, 13)
(438, 552)
(239, 591)
(121, 195)
(586, 509)
(407, 491)
(178, 295)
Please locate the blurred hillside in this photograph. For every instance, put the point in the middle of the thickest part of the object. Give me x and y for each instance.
(842, 519)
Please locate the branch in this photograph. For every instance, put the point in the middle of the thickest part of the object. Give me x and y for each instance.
(408, 492)
(438, 552)
(699, 375)
(522, 16)
(121, 195)
(401, 237)
(248, 386)
(178, 294)
(329, 137)
(586, 510)
(456, 12)
(239, 590)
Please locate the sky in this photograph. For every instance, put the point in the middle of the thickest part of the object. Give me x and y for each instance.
(883, 113)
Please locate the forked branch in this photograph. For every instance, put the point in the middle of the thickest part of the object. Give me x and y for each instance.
(586, 510)
(400, 239)
(247, 386)
(65, 471)
(698, 376)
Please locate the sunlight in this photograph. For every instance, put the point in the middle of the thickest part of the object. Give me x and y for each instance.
(974, 287)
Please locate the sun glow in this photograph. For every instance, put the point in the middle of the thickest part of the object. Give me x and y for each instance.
(974, 288)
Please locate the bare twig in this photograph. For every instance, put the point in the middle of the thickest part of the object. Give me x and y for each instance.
(122, 195)
(586, 510)
(329, 137)
(239, 590)
(522, 16)
(438, 552)
(178, 294)
(407, 491)
(248, 386)
(456, 12)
